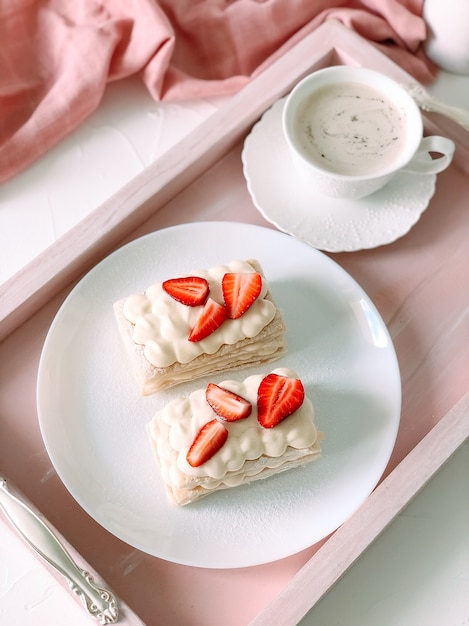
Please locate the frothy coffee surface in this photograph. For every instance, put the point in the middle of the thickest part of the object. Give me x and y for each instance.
(350, 129)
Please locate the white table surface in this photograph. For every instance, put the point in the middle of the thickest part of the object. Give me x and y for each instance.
(415, 573)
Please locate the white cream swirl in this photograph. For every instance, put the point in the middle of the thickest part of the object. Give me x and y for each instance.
(162, 325)
(247, 439)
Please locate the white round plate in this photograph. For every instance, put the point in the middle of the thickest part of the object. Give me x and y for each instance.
(331, 224)
(93, 419)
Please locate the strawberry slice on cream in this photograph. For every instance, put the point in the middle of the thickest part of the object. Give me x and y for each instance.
(188, 290)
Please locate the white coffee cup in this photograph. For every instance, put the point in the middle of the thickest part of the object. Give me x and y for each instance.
(351, 129)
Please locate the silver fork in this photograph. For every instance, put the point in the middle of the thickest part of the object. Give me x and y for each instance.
(100, 603)
(431, 104)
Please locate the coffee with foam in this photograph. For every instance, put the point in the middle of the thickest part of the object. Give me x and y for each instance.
(350, 129)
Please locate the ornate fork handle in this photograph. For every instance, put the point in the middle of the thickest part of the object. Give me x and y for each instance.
(100, 603)
(429, 103)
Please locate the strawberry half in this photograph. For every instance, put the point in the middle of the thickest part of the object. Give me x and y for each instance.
(226, 404)
(189, 290)
(240, 291)
(211, 317)
(210, 438)
(277, 398)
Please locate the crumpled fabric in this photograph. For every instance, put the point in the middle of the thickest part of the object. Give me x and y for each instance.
(57, 56)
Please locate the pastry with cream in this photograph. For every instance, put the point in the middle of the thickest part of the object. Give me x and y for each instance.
(228, 434)
(198, 324)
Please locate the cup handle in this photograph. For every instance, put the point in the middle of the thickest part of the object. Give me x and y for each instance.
(422, 164)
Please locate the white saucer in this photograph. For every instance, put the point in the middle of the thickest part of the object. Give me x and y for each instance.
(331, 224)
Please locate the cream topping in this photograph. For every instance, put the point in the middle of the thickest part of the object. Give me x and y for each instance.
(247, 439)
(162, 325)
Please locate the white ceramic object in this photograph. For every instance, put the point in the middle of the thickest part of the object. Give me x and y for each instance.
(413, 157)
(93, 419)
(447, 42)
(330, 224)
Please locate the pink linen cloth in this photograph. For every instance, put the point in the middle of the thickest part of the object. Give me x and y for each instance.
(56, 56)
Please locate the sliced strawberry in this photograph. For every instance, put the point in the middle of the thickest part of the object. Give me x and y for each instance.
(211, 317)
(240, 291)
(189, 290)
(277, 398)
(228, 405)
(210, 438)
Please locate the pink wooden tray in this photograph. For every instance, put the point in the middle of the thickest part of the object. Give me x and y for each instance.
(414, 282)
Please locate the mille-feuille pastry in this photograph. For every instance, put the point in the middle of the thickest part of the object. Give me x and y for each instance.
(228, 434)
(198, 324)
